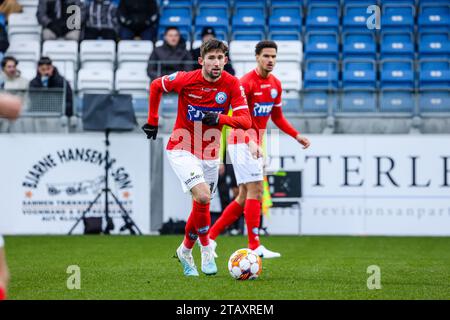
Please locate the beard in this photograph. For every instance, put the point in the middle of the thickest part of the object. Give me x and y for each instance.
(215, 76)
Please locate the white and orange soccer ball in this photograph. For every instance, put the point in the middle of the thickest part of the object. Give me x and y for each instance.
(244, 264)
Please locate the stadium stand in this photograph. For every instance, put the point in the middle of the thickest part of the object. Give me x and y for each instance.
(23, 26)
(329, 61)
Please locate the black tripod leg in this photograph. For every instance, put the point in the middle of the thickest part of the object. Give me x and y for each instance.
(84, 213)
(126, 217)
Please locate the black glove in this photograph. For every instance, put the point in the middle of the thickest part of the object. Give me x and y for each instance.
(211, 118)
(150, 131)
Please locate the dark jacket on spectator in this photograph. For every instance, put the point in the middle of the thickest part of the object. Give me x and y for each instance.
(196, 54)
(52, 14)
(56, 81)
(138, 15)
(176, 56)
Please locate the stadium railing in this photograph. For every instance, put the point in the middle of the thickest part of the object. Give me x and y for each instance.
(41, 104)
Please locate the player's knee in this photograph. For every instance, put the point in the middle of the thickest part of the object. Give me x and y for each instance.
(240, 199)
(203, 197)
(255, 191)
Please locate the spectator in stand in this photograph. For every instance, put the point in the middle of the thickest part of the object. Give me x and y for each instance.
(49, 77)
(11, 75)
(53, 16)
(172, 56)
(4, 42)
(138, 19)
(9, 6)
(209, 33)
(101, 21)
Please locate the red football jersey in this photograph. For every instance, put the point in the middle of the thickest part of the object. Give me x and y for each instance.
(196, 96)
(264, 102)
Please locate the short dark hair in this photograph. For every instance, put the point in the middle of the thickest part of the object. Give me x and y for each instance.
(265, 44)
(9, 58)
(171, 28)
(44, 60)
(212, 44)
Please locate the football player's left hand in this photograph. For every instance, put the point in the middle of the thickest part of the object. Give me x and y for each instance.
(211, 118)
(150, 131)
(303, 141)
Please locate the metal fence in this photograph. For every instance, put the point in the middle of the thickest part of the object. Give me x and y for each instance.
(43, 110)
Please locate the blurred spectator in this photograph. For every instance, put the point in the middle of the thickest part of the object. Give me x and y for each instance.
(53, 16)
(101, 21)
(172, 55)
(4, 42)
(9, 6)
(209, 33)
(138, 19)
(49, 77)
(11, 75)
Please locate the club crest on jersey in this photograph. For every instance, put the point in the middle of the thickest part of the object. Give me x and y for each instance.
(273, 93)
(221, 97)
(262, 109)
(172, 76)
(196, 113)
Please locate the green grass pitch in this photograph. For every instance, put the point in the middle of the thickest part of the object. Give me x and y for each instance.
(126, 267)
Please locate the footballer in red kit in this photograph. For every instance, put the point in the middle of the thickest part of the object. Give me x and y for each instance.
(204, 99)
(263, 91)
(10, 108)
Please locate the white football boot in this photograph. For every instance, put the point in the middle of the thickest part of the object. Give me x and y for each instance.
(265, 253)
(209, 266)
(213, 245)
(187, 261)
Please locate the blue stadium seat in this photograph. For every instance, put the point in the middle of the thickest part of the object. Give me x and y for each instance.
(396, 74)
(334, 2)
(176, 3)
(180, 17)
(248, 35)
(284, 36)
(323, 18)
(434, 100)
(368, 2)
(359, 45)
(221, 35)
(287, 3)
(285, 19)
(358, 100)
(320, 100)
(216, 17)
(431, 1)
(321, 74)
(212, 3)
(355, 18)
(434, 17)
(359, 73)
(398, 16)
(411, 2)
(249, 19)
(322, 45)
(434, 73)
(249, 3)
(397, 100)
(397, 45)
(2, 20)
(434, 45)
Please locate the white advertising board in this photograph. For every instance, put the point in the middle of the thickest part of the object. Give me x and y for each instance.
(47, 181)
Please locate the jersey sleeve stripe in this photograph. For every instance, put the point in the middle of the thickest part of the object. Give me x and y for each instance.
(240, 108)
(278, 105)
(163, 85)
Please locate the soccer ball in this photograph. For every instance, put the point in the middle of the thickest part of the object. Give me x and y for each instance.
(244, 264)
